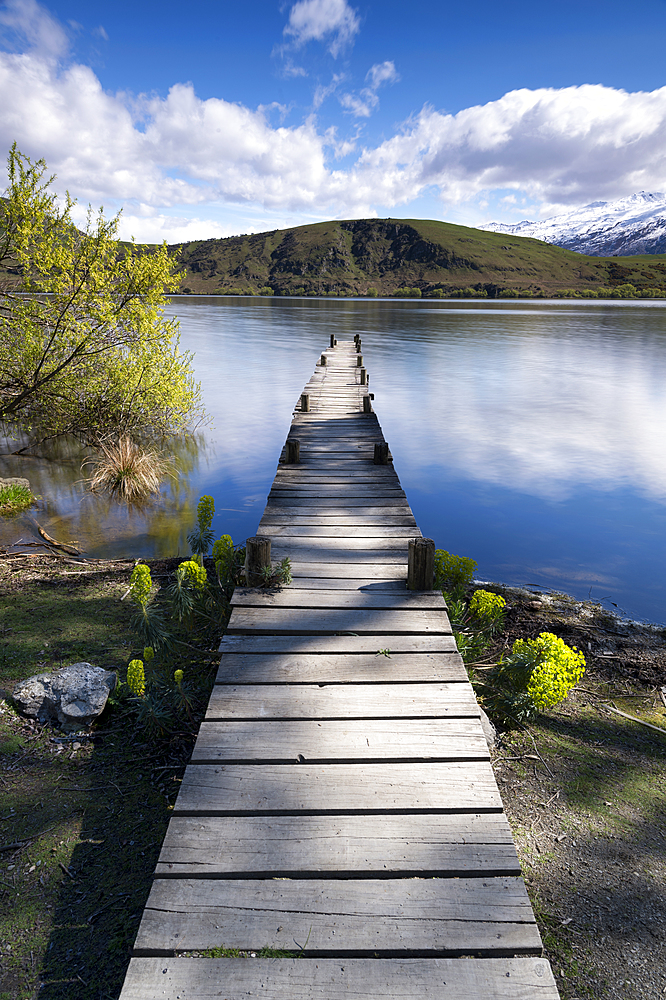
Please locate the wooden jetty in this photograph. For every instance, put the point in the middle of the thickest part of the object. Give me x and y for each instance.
(339, 824)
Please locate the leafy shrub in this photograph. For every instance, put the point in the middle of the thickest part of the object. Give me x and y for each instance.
(148, 620)
(537, 674)
(488, 608)
(276, 576)
(201, 537)
(626, 291)
(136, 678)
(453, 573)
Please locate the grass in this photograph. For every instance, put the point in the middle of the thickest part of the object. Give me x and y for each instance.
(14, 499)
(127, 471)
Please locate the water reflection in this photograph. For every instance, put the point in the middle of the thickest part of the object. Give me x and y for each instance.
(527, 435)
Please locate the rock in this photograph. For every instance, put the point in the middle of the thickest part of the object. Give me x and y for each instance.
(73, 696)
(16, 481)
(489, 730)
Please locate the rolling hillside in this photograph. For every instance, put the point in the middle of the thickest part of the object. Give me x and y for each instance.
(355, 257)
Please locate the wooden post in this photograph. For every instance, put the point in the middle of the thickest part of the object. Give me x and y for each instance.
(333, 340)
(322, 360)
(305, 403)
(293, 451)
(257, 555)
(421, 564)
(359, 360)
(366, 405)
(382, 453)
(358, 346)
(363, 374)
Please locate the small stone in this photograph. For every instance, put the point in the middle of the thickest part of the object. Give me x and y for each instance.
(489, 730)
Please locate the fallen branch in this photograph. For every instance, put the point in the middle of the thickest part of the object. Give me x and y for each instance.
(633, 718)
(71, 549)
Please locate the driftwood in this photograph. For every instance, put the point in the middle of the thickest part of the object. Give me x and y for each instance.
(71, 549)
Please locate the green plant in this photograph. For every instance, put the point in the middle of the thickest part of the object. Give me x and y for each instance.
(201, 538)
(148, 621)
(136, 678)
(224, 556)
(189, 582)
(453, 574)
(488, 609)
(278, 575)
(127, 471)
(537, 674)
(15, 498)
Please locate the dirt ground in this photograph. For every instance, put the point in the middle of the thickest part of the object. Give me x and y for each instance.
(82, 816)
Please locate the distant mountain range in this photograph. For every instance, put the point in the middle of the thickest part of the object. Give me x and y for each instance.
(623, 228)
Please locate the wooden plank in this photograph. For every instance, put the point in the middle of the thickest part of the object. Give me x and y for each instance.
(340, 668)
(315, 621)
(330, 550)
(326, 644)
(428, 845)
(369, 570)
(303, 514)
(282, 500)
(396, 585)
(287, 598)
(350, 740)
(354, 917)
(330, 979)
(347, 531)
(342, 701)
(218, 789)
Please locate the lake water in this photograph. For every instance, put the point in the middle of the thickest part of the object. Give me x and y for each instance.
(530, 436)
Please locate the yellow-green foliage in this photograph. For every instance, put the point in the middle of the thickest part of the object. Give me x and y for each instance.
(148, 654)
(557, 669)
(136, 679)
(453, 573)
(178, 677)
(141, 584)
(485, 604)
(224, 556)
(96, 355)
(192, 574)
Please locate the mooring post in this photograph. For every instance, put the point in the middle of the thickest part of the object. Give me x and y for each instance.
(305, 402)
(382, 454)
(359, 360)
(322, 360)
(358, 346)
(366, 405)
(363, 375)
(257, 556)
(332, 340)
(421, 564)
(293, 451)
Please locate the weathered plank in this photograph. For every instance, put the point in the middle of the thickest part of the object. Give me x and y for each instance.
(396, 585)
(287, 598)
(342, 701)
(348, 740)
(353, 917)
(333, 550)
(314, 621)
(219, 789)
(325, 644)
(348, 532)
(303, 514)
(331, 979)
(340, 668)
(282, 500)
(428, 845)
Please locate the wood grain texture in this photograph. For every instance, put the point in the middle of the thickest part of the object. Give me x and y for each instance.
(314, 621)
(330, 979)
(341, 847)
(343, 668)
(210, 789)
(349, 740)
(359, 599)
(341, 701)
(325, 644)
(353, 917)
(342, 531)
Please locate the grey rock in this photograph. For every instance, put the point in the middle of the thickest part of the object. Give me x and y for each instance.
(73, 696)
(15, 481)
(489, 730)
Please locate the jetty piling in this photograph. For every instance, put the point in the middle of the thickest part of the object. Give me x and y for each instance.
(339, 824)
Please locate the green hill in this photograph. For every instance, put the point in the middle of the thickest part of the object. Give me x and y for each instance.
(355, 257)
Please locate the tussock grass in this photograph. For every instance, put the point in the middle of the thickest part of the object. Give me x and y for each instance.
(128, 471)
(14, 499)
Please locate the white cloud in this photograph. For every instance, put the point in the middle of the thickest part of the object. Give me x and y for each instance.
(25, 22)
(316, 20)
(363, 104)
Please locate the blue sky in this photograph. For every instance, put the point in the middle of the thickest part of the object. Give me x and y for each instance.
(221, 118)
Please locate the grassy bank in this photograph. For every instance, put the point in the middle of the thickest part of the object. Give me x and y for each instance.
(82, 817)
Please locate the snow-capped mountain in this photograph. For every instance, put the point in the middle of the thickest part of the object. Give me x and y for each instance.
(632, 225)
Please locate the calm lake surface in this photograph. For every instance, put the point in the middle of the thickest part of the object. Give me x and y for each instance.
(530, 436)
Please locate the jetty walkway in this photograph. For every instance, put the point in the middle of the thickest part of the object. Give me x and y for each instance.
(339, 824)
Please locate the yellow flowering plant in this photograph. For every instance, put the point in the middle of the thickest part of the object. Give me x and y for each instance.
(136, 679)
